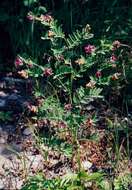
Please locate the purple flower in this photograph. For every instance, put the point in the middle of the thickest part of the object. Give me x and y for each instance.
(89, 49)
(18, 62)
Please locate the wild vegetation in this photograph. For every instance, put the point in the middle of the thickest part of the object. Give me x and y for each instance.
(76, 57)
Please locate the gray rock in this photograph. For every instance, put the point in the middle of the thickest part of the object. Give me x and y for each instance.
(3, 94)
(19, 84)
(2, 140)
(4, 162)
(15, 102)
(2, 103)
(34, 161)
(17, 183)
(8, 129)
(2, 84)
(27, 131)
(2, 148)
(2, 186)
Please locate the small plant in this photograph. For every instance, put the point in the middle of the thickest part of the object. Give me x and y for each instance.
(75, 69)
(71, 181)
(123, 182)
(5, 116)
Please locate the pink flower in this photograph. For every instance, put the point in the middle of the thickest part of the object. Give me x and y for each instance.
(62, 125)
(113, 59)
(18, 62)
(68, 107)
(98, 74)
(30, 65)
(30, 17)
(46, 18)
(48, 72)
(116, 44)
(89, 49)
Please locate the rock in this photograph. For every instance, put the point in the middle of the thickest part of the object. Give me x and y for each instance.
(14, 97)
(34, 162)
(16, 147)
(4, 162)
(2, 103)
(20, 85)
(2, 148)
(2, 186)
(15, 103)
(88, 184)
(27, 131)
(18, 184)
(2, 140)
(2, 84)
(3, 94)
(86, 165)
(8, 129)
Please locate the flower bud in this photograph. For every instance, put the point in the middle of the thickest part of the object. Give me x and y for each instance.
(89, 49)
(48, 72)
(18, 62)
(98, 74)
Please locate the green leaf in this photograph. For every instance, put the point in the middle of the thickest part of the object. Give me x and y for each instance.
(95, 92)
(29, 2)
(63, 70)
(43, 9)
(90, 177)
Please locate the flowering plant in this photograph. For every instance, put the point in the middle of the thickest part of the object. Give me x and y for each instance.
(70, 59)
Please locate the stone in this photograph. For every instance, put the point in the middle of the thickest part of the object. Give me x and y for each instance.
(19, 183)
(4, 162)
(2, 84)
(16, 147)
(34, 162)
(8, 129)
(86, 165)
(15, 102)
(2, 103)
(20, 85)
(2, 148)
(27, 131)
(3, 94)
(2, 140)
(2, 186)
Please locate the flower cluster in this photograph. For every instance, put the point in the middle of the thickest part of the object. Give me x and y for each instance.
(113, 58)
(116, 44)
(18, 62)
(46, 18)
(48, 72)
(89, 49)
(68, 107)
(98, 74)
